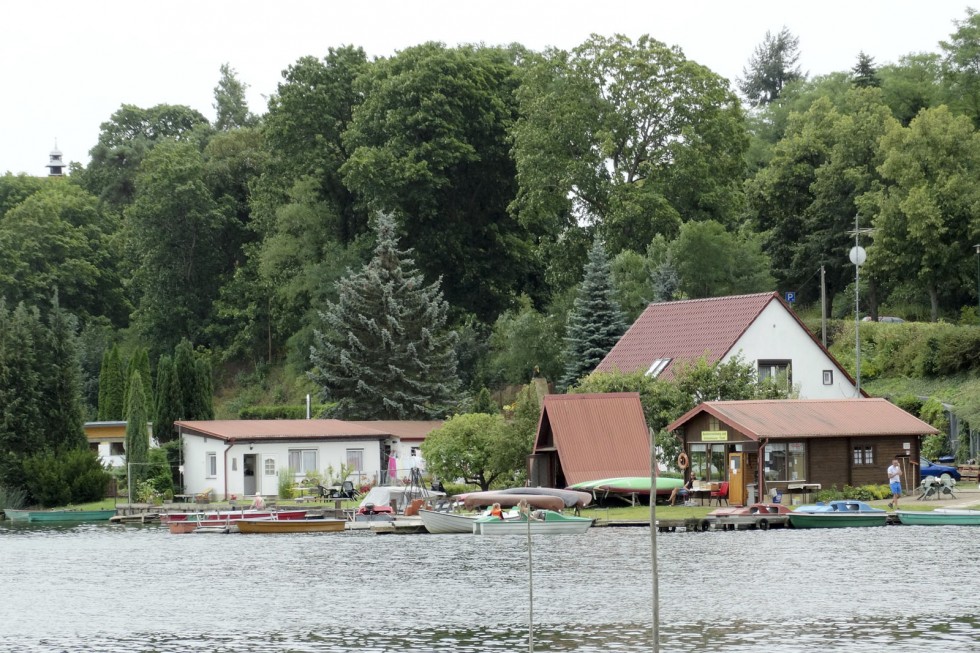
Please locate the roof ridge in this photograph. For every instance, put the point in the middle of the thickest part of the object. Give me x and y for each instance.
(771, 293)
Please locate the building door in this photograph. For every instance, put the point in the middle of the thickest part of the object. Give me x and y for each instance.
(736, 479)
(249, 463)
(270, 476)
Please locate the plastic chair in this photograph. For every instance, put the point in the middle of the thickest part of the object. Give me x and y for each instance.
(721, 494)
(946, 485)
(928, 487)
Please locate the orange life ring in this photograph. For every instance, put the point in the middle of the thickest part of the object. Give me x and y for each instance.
(682, 460)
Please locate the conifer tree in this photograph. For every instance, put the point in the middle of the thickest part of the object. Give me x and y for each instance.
(139, 361)
(384, 351)
(204, 396)
(20, 392)
(185, 378)
(111, 388)
(167, 406)
(61, 381)
(484, 403)
(137, 435)
(595, 322)
(865, 73)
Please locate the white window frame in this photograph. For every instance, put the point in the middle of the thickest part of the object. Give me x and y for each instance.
(211, 464)
(657, 367)
(302, 457)
(355, 459)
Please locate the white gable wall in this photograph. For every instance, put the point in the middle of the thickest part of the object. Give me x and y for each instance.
(230, 463)
(776, 335)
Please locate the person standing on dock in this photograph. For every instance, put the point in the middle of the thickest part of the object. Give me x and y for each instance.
(895, 481)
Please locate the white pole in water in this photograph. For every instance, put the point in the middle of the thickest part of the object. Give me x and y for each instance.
(530, 583)
(653, 540)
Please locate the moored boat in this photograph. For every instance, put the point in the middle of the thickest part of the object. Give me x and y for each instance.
(290, 526)
(231, 515)
(482, 499)
(447, 522)
(543, 522)
(629, 485)
(758, 515)
(837, 514)
(60, 516)
(940, 517)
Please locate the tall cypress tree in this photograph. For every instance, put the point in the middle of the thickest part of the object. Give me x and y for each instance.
(185, 377)
(385, 351)
(167, 406)
(204, 404)
(137, 435)
(139, 361)
(61, 382)
(112, 400)
(20, 392)
(103, 387)
(595, 322)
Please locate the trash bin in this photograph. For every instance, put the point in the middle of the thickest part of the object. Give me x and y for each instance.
(750, 490)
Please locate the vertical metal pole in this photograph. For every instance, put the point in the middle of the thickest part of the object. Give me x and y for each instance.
(823, 305)
(857, 323)
(530, 584)
(653, 542)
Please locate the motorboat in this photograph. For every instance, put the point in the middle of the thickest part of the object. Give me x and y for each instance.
(542, 522)
(940, 517)
(230, 515)
(837, 514)
(758, 515)
(59, 516)
(290, 526)
(228, 519)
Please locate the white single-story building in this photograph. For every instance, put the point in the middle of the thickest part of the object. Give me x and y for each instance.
(108, 440)
(245, 457)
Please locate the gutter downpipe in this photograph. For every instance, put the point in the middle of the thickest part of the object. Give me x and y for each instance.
(231, 443)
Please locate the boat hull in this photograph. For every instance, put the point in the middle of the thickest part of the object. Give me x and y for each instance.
(629, 484)
(940, 517)
(248, 526)
(60, 516)
(836, 519)
(445, 522)
(548, 523)
(231, 515)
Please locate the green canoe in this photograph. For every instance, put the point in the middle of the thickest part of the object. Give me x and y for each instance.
(60, 516)
(639, 484)
(941, 517)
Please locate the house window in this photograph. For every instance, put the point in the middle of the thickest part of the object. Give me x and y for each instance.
(658, 366)
(828, 377)
(302, 461)
(211, 465)
(864, 455)
(117, 449)
(708, 465)
(777, 371)
(355, 459)
(269, 468)
(785, 461)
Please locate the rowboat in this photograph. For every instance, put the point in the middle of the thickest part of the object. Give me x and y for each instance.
(543, 522)
(629, 485)
(290, 526)
(481, 499)
(837, 514)
(446, 522)
(572, 498)
(59, 516)
(758, 515)
(190, 523)
(226, 515)
(940, 517)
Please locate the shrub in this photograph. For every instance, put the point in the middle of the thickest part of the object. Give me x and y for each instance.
(58, 479)
(12, 497)
(287, 478)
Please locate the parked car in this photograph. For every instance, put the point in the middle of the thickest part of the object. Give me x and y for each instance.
(929, 468)
(883, 318)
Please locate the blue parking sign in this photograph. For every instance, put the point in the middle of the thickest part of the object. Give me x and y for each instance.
(790, 296)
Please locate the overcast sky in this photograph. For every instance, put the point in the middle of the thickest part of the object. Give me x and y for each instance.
(67, 65)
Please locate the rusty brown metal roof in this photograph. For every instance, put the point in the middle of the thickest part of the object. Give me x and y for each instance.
(811, 418)
(685, 330)
(280, 429)
(596, 435)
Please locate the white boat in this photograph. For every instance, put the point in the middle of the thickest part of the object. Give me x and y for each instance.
(446, 522)
(543, 522)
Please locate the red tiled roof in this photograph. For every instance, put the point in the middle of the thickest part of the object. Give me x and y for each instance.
(404, 429)
(685, 330)
(597, 435)
(811, 418)
(280, 429)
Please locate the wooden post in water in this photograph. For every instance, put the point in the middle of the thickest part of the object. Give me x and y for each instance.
(653, 541)
(526, 509)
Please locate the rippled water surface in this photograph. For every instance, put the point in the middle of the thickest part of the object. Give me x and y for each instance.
(126, 588)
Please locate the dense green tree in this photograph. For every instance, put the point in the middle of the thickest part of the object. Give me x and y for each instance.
(771, 67)
(525, 343)
(21, 392)
(14, 189)
(230, 103)
(961, 66)
(126, 139)
(527, 414)
(61, 419)
(112, 387)
(172, 235)
(865, 73)
(713, 262)
(430, 144)
(631, 138)
(186, 379)
(385, 351)
(484, 403)
(926, 217)
(632, 283)
(596, 321)
(137, 434)
(57, 239)
(477, 448)
(911, 85)
(167, 409)
(138, 361)
(204, 406)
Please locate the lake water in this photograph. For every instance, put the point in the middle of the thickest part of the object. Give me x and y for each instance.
(139, 588)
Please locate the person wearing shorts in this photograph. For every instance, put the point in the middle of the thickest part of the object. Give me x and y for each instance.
(895, 482)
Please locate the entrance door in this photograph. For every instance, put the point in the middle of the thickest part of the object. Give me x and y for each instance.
(270, 476)
(249, 463)
(736, 479)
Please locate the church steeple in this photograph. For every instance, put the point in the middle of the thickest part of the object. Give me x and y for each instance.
(55, 164)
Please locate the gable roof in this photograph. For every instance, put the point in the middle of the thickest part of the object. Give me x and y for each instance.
(596, 435)
(811, 418)
(404, 429)
(685, 330)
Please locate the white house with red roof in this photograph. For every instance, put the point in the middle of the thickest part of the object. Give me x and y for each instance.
(760, 328)
(239, 458)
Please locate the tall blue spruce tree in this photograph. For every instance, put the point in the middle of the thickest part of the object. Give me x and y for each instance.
(595, 322)
(385, 351)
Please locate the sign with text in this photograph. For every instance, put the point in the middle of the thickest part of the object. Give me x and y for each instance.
(714, 436)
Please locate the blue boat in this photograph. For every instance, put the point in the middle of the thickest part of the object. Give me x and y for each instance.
(837, 514)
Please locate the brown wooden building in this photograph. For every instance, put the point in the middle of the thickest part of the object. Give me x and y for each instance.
(799, 445)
